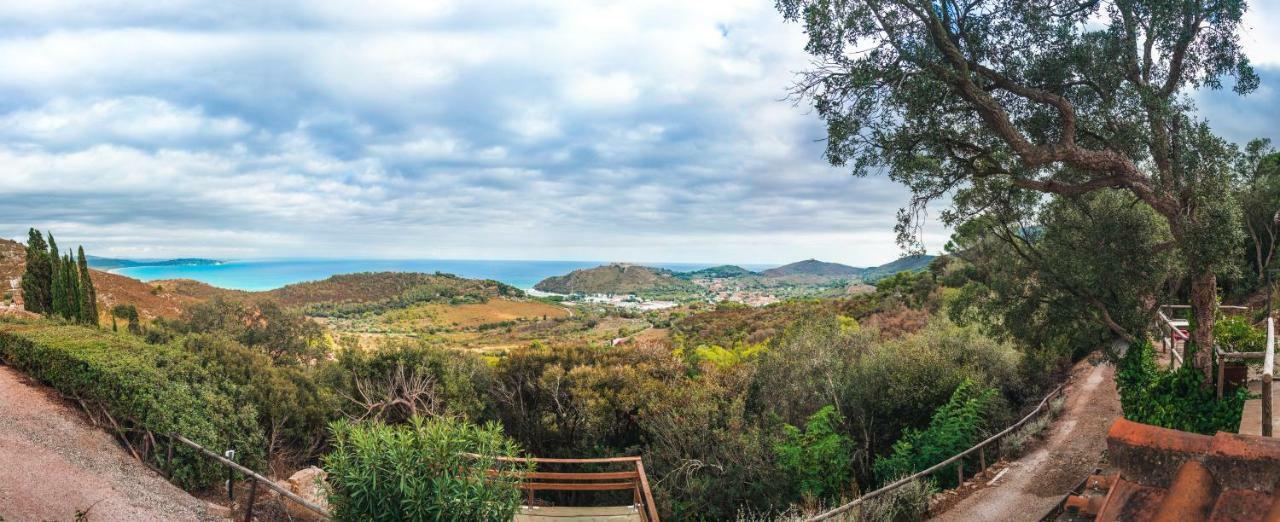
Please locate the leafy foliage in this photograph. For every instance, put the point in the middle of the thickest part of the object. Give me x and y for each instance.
(155, 389)
(422, 470)
(1173, 399)
(1235, 334)
(818, 459)
(955, 427)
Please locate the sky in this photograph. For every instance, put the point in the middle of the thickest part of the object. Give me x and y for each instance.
(572, 130)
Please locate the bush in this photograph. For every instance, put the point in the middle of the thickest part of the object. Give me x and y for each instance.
(818, 459)
(1173, 399)
(420, 471)
(908, 503)
(1235, 334)
(955, 427)
(155, 390)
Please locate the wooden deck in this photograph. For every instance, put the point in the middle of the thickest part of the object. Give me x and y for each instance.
(1251, 421)
(579, 514)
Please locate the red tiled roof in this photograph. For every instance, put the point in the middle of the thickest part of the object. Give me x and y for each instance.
(1170, 475)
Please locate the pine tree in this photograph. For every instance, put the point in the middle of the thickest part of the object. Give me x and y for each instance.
(58, 286)
(38, 277)
(88, 295)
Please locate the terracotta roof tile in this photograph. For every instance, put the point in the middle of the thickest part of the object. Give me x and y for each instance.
(1170, 475)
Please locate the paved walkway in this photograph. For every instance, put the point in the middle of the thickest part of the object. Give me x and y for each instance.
(1251, 420)
(54, 465)
(1033, 484)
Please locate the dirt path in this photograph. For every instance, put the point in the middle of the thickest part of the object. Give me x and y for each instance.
(1033, 484)
(53, 464)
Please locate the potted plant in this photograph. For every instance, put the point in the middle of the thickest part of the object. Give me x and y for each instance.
(1235, 334)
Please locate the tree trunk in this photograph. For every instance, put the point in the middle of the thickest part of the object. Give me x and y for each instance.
(1204, 305)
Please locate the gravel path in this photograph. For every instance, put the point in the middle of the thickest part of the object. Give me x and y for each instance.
(1036, 482)
(53, 465)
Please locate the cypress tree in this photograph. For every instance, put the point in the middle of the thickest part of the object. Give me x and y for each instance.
(37, 280)
(58, 287)
(73, 287)
(88, 295)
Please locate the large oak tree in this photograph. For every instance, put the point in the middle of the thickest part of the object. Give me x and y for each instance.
(985, 100)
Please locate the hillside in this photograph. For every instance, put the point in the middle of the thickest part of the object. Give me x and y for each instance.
(112, 289)
(716, 272)
(914, 263)
(813, 267)
(618, 279)
(376, 291)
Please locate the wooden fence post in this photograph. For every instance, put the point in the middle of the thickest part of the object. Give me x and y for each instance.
(982, 458)
(959, 473)
(253, 493)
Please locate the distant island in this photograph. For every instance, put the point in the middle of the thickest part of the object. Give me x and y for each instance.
(109, 263)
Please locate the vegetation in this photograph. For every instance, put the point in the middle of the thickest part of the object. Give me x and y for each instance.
(955, 427)
(58, 285)
(150, 390)
(355, 294)
(618, 279)
(1173, 399)
(819, 458)
(426, 469)
(996, 107)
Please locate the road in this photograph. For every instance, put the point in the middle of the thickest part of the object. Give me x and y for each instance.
(1035, 483)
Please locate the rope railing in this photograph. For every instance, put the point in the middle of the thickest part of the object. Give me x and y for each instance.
(980, 448)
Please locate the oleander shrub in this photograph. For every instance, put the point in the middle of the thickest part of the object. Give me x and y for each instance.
(1174, 399)
(149, 390)
(425, 470)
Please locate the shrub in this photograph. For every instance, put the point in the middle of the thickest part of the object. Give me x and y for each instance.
(907, 503)
(818, 459)
(1235, 334)
(422, 471)
(150, 390)
(955, 427)
(1173, 399)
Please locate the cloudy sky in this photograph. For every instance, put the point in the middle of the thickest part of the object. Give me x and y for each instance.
(636, 131)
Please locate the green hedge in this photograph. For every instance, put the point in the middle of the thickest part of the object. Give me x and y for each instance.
(146, 388)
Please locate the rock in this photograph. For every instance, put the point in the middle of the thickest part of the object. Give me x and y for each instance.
(309, 484)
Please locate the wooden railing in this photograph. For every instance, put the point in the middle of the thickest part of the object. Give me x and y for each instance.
(1268, 374)
(633, 479)
(979, 448)
(254, 477)
(1170, 334)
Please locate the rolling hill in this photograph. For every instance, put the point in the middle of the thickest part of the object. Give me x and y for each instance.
(348, 294)
(716, 272)
(618, 279)
(152, 301)
(813, 267)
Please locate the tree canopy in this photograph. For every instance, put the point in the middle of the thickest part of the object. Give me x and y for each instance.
(987, 101)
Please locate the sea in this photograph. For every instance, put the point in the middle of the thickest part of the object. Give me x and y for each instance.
(258, 275)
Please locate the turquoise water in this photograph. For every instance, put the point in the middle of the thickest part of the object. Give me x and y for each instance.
(269, 274)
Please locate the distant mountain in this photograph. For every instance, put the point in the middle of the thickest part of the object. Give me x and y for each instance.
(618, 279)
(716, 272)
(904, 264)
(813, 267)
(108, 263)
